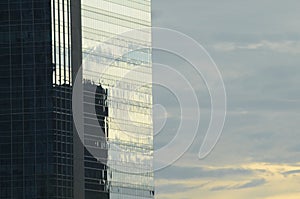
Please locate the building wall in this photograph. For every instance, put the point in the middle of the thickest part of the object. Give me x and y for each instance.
(26, 106)
(42, 45)
(36, 157)
(129, 97)
(62, 182)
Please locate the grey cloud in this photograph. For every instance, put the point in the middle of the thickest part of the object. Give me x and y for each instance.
(175, 172)
(219, 188)
(261, 79)
(234, 18)
(291, 172)
(287, 46)
(251, 184)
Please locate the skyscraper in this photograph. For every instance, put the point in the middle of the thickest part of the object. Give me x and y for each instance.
(43, 45)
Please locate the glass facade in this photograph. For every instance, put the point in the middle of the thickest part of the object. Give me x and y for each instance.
(28, 152)
(38, 153)
(120, 62)
(36, 157)
(62, 182)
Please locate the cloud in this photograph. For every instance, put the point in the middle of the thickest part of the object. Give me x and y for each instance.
(250, 184)
(287, 46)
(292, 172)
(175, 188)
(266, 181)
(256, 47)
(177, 172)
(253, 183)
(219, 188)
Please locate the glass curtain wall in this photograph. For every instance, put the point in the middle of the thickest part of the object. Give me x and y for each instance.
(61, 183)
(118, 60)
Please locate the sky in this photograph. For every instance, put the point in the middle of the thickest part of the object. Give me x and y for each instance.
(256, 46)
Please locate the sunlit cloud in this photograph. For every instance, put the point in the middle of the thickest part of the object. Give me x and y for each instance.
(265, 181)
